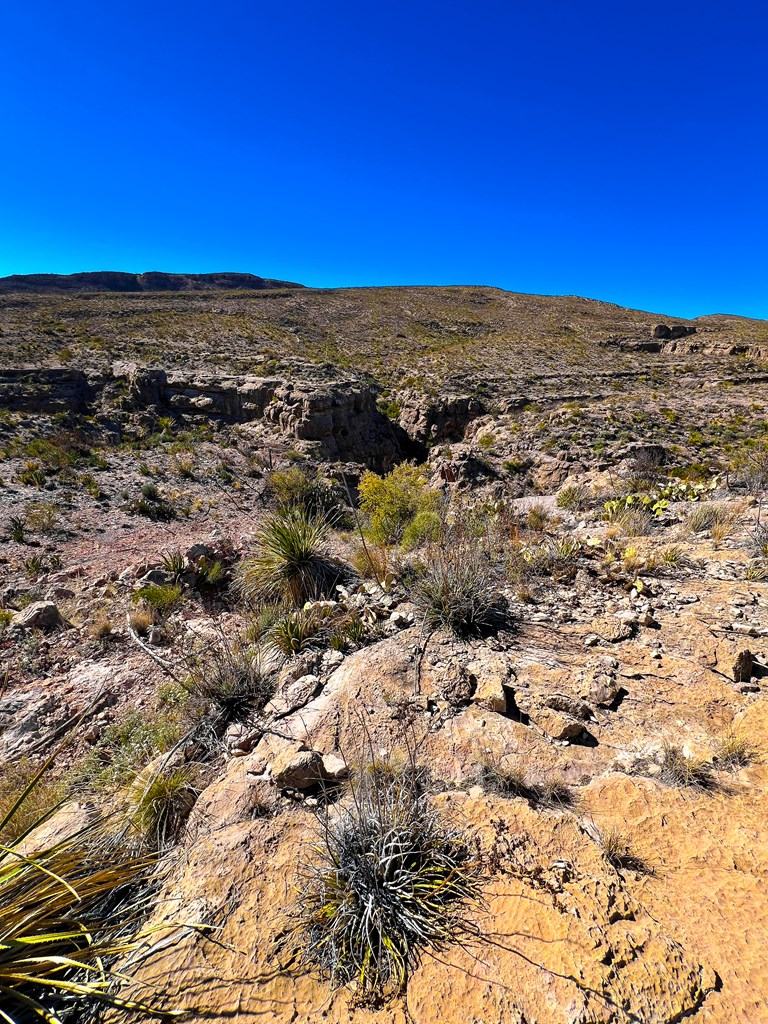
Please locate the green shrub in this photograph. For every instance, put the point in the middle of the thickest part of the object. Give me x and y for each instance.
(295, 488)
(161, 597)
(425, 527)
(390, 503)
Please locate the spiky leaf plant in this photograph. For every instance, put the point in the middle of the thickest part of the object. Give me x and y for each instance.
(67, 909)
(292, 564)
(388, 882)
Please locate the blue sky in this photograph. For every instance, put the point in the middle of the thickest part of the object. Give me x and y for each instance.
(617, 151)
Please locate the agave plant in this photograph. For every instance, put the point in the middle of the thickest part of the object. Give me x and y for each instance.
(67, 910)
(292, 563)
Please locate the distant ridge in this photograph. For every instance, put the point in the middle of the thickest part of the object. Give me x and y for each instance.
(153, 281)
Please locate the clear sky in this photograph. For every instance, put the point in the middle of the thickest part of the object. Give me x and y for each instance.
(614, 150)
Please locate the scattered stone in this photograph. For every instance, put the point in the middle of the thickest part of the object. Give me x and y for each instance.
(612, 628)
(742, 666)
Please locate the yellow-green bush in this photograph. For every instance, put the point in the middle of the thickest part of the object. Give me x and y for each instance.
(392, 503)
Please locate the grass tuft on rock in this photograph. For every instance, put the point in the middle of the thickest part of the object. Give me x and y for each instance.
(389, 881)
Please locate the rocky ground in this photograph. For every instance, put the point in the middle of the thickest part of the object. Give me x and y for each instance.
(603, 745)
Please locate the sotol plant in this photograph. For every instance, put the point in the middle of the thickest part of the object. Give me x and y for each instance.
(292, 563)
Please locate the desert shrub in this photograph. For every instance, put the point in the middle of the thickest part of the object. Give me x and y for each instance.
(645, 469)
(141, 620)
(679, 770)
(295, 488)
(159, 803)
(292, 563)
(705, 516)
(388, 881)
(371, 562)
(573, 498)
(632, 522)
(162, 598)
(152, 504)
(618, 853)
(41, 516)
(101, 626)
(457, 587)
(390, 503)
(6, 615)
(505, 776)
(760, 541)
(31, 474)
(90, 485)
(18, 526)
(66, 911)
(751, 467)
(426, 526)
(127, 745)
(537, 518)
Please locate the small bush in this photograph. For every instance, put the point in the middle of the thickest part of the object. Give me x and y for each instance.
(17, 529)
(228, 679)
(292, 564)
(162, 598)
(295, 488)
(141, 621)
(390, 503)
(41, 516)
(371, 562)
(573, 498)
(619, 855)
(389, 881)
(159, 805)
(537, 518)
(425, 527)
(152, 504)
(174, 564)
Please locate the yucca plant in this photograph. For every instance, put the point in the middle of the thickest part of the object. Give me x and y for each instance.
(160, 804)
(292, 564)
(387, 882)
(67, 910)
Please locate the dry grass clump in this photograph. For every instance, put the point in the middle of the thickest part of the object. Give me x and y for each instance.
(573, 498)
(682, 771)
(159, 804)
(45, 794)
(227, 678)
(101, 627)
(141, 621)
(388, 880)
(707, 515)
(734, 751)
(457, 587)
(509, 778)
(630, 522)
(618, 853)
(292, 564)
(372, 561)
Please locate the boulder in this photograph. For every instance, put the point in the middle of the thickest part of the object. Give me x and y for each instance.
(43, 615)
(297, 768)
